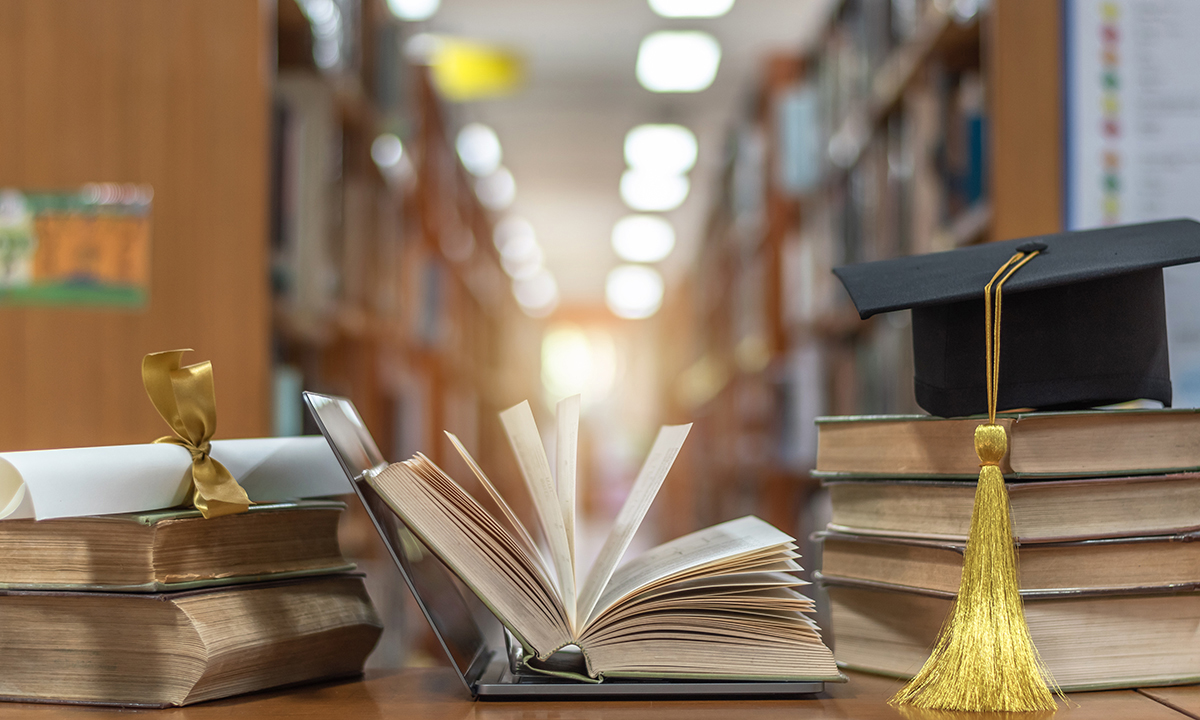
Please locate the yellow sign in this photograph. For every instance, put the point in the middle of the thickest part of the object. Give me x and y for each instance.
(465, 70)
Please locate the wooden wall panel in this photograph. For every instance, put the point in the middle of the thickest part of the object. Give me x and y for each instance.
(174, 94)
(1025, 76)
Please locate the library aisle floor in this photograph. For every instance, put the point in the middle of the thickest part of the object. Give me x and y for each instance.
(436, 694)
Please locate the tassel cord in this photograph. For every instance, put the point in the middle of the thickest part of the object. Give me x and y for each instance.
(985, 659)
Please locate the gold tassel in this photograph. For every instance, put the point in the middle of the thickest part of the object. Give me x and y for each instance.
(984, 659)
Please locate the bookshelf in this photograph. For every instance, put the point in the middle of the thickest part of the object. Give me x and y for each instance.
(392, 296)
(386, 287)
(935, 130)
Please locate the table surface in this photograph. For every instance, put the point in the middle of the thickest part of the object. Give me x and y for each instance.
(437, 694)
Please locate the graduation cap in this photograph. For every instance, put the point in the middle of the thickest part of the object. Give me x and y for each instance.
(1084, 325)
(1084, 322)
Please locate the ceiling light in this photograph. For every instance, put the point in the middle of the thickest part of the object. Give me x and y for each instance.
(537, 295)
(479, 149)
(327, 29)
(514, 236)
(387, 150)
(648, 191)
(678, 61)
(423, 47)
(666, 149)
(634, 291)
(413, 9)
(691, 8)
(496, 191)
(643, 238)
(523, 267)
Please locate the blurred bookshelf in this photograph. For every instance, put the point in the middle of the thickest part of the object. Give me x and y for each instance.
(386, 286)
(912, 126)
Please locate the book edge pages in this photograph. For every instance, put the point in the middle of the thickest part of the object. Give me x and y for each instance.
(526, 443)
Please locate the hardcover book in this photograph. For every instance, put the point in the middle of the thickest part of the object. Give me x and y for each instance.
(171, 549)
(1088, 641)
(719, 603)
(1076, 509)
(184, 647)
(1099, 565)
(1086, 443)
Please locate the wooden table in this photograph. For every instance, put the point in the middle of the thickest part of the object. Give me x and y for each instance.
(437, 694)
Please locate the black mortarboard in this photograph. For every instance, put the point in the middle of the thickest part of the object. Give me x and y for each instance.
(1084, 321)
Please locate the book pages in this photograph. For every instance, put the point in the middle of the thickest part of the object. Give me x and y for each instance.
(566, 458)
(522, 534)
(477, 548)
(734, 538)
(535, 468)
(645, 488)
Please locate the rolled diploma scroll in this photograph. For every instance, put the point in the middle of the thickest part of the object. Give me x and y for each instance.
(135, 478)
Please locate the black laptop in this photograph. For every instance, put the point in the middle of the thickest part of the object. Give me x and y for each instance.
(488, 663)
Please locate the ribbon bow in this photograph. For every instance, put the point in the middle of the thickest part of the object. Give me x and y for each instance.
(185, 398)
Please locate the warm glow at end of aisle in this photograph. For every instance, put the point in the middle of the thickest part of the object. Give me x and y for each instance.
(496, 191)
(413, 9)
(479, 149)
(653, 192)
(691, 8)
(578, 362)
(537, 295)
(634, 291)
(663, 149)
(678, 61)
(643, 238)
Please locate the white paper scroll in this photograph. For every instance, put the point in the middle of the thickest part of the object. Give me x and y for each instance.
(135, 478)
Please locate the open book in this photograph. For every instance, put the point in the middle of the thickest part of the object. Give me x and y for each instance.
(718, 603)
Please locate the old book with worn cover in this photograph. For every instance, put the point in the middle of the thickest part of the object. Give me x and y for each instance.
(1089, 641)
(1086, 443)
(720, 603)
(1077, 509)
(1108, 564)
(184, 647)
(171, 549)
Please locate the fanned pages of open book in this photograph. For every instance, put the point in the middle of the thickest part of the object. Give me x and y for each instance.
(719, 603)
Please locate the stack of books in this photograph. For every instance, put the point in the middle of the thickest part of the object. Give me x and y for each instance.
(167, 608)
(1105, 506)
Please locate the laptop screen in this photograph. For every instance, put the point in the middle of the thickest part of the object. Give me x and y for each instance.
(450, 607)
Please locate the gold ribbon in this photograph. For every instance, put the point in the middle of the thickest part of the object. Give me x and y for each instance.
(185, 398)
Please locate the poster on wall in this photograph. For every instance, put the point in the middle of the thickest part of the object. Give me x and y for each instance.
(89, 247)
(1132, 139)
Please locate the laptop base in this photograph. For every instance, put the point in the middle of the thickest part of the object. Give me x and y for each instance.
(499, 683)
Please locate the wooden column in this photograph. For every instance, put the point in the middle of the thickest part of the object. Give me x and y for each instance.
(1024, 70)
(170, 94)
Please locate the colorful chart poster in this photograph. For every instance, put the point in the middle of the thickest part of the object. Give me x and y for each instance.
(1133, 139)
(1133, 111)
(89, 247)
